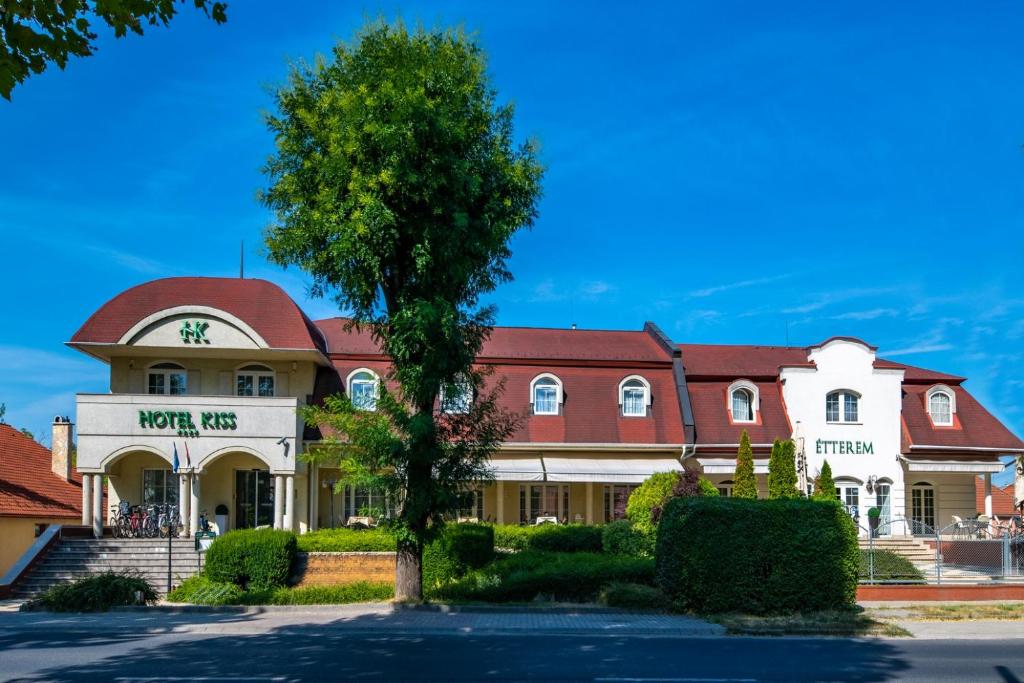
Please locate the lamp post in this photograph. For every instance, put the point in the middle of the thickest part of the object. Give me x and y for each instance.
(329, 484)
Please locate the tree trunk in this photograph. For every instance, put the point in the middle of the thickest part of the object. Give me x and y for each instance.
(409, 572)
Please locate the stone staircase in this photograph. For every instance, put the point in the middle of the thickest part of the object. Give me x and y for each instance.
(78, 558)
(914, 549)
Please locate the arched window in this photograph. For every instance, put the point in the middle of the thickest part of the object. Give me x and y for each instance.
(842, 406)
(546, 394)
(457, 398)
(362, 389)
(941, 405)
(634, 396)
(167, 378)
(725, 488)
(254, 380)
(743, 401)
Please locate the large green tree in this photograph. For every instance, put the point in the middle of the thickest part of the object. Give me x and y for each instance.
(34, 33)
(397, 185)
(745, 482)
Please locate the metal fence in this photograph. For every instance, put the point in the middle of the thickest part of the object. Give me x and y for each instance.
(905, 551)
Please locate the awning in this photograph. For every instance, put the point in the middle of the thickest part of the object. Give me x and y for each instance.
(517, 469)
(608, 470)
(968, 466)
(728, 465)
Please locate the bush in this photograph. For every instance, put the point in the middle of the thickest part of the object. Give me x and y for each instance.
(565, 538)
(346, 541)
(565, 577)
(201, 590)
(653, 493)
(252, 558)
(889, 567)
(632, 596)
(762, 557)
(96, 594)
(620, 538)
(360, 591)
(456, 550)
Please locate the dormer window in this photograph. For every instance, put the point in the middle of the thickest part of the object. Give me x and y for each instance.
(546, 394)
(634, 396)
(362, 389)
(941, 405)
(167, 378)
(842, 407)
(254, 380)
(457, 398)
(743, 401)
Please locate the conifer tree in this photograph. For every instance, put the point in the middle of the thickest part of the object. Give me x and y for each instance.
(745, 483)
(788, 483)
(824, 485)
(775, 473)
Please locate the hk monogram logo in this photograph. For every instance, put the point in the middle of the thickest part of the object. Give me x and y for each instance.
(194, 332)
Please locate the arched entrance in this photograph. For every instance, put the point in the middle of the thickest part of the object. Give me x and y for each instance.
(237, 490)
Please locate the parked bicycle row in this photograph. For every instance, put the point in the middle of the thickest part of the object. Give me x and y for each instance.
(145, 521)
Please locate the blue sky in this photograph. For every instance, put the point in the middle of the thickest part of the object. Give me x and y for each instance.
(738, 173)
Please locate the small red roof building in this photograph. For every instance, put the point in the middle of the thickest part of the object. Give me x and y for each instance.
(28, 485)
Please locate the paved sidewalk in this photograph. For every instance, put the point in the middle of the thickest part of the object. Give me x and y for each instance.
(372, 618)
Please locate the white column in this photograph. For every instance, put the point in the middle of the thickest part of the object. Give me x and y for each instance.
(314, 497)
(86, 499)
(499, 496)
(988, 500)
(289, 503)
(278, 501)
(193, 507)
(185, 501)
(590, 502)
(97, 505)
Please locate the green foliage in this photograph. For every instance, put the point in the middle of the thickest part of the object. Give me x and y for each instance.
(360, 591)
(201, 590)
(34, 33)
(745, 482)
(874, 513)
(565, 577)
(782, 480)
(635, 596)
(887, 567)
(567, 538)
(456, 550)
(620, 538)
(707, 488)
(824, 485)
(652, 494)
(252, 558)
(96, 594)
(346, 541)
(760, 557)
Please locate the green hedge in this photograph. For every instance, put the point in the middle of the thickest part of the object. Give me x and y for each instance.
(757, 556)
(256, 559)
(200, 590)
(347, 541)
(621, 538)
(888, 567)
(564, 538)
(457, 549)
(562, 577)
(95, 594)
(632, 596)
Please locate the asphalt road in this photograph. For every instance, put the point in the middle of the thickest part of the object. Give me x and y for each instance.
(77, 655)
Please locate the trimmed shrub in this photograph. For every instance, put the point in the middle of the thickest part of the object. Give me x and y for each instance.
(632, 596)
(201, 590)
(824, 484)
(889, 567)
(96, 594)
(346, 541)
(744, 480)
(620, 538)
(361, 591)
(252, 558)
(566, 538)
(653, 493)
(457, 549)
(762, 557)
(563, 577)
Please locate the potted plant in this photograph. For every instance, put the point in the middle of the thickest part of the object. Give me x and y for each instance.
(874, 517)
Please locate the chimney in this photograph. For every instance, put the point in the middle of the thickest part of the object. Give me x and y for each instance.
(60, 446)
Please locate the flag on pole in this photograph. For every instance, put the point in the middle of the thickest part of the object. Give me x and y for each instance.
(174, 461)
(188, 458)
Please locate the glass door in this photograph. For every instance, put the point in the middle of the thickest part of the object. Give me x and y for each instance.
(883, 502)
(922, 509)
(254, 499)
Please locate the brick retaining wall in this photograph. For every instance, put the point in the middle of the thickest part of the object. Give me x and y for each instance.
(941, 592)
(332, 569)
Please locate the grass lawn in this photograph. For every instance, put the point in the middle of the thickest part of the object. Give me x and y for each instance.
(962, 611)
(838, 623)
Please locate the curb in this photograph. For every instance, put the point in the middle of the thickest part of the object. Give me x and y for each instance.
(438, 608)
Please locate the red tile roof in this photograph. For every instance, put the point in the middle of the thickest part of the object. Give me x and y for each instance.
(1002, 498)
(739, 361)
(261, 304)
(975, 426)
(28, 486)
(711, 415)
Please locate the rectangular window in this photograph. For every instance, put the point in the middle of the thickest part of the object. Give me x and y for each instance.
(850, 408)
(545, 400)
(850, 497)
(363, 395)
(633, 403)
(832, 408)
(178, 383)
(156, 383)
(243, 384)
(543, 500)
(266, 386)
(471, 506)
(725, 491)
(159, 487)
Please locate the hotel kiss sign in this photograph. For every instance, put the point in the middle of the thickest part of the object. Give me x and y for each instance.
(182, 422)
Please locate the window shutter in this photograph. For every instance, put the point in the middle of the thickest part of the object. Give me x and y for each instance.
(195, 382)
(135, 382)
(225, 384)
(281, 384)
